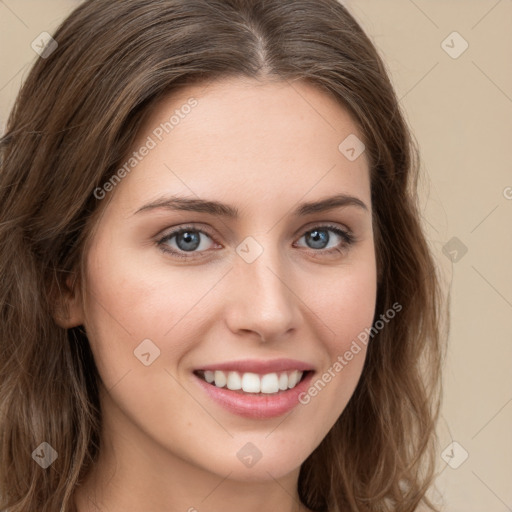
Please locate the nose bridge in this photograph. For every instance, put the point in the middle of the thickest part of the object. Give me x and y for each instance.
(263, 296)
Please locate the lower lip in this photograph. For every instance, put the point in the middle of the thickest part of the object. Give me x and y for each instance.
(256, 406)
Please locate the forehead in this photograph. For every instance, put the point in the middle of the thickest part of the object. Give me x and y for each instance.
(249, 139)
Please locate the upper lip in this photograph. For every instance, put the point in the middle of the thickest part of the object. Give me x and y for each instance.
(260, 366)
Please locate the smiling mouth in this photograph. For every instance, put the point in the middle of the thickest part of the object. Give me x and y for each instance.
(253, 383)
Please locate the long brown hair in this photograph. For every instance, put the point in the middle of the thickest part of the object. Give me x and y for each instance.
(73, 121)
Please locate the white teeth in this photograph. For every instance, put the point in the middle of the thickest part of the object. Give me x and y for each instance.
(269, 383)
(220, 379)
(234, 381)
(293, 378)
(252, 382)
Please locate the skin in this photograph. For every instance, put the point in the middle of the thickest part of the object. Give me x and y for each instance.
(262, 147)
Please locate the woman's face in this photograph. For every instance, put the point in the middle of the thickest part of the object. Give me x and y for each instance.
(260, 284)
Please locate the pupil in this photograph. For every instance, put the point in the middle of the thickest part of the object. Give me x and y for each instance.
(318, 240)
(190, 239)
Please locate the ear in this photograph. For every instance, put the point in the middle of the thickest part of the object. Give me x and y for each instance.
(68, 307)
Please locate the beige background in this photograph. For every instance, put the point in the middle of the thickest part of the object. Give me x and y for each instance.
(460, 110)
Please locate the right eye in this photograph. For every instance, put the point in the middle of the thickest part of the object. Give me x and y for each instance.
(187, 239)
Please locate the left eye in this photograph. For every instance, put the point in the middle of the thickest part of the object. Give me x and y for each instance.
(319, 238)
(190, 240)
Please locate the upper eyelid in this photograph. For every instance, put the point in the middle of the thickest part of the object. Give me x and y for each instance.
(176, 230)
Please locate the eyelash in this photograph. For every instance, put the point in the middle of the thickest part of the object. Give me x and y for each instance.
(348, 239)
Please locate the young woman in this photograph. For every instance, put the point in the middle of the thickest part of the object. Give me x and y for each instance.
(216, 292)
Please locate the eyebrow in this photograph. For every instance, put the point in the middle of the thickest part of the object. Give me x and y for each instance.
(224, 210)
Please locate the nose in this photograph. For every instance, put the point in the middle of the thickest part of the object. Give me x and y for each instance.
(262, 299)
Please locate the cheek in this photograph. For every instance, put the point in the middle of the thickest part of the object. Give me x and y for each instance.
(346, 305)
(130, 300)
(353, 310)
(142, 291)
